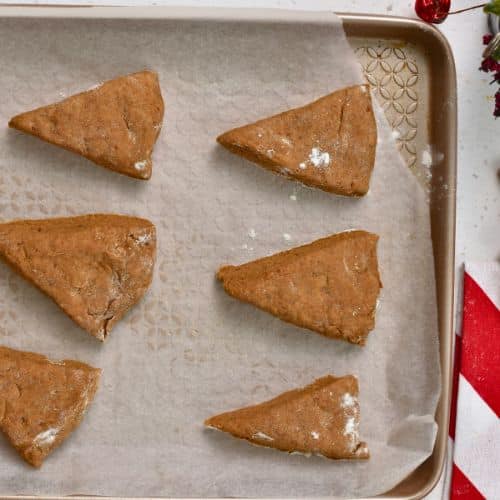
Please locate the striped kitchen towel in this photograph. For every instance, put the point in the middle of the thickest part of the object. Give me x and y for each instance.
(475, 425)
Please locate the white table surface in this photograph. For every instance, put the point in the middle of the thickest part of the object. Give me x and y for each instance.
(478, 190)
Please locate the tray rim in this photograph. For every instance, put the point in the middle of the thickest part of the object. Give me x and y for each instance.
(376, 25)
(445, 59)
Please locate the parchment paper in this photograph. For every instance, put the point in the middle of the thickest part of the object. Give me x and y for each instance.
(188, 350)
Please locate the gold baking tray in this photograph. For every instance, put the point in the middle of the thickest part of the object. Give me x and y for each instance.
(410, 67)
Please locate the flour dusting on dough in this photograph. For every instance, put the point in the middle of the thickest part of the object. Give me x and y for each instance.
(94, 87)
(46, 438)
(301, 453)
(140, 165)
(348, 400)
(143, 239)
(261, 435)
(319, 158)
(351, 431)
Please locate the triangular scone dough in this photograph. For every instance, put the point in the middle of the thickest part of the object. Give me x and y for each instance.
(42, 401)
(95, 267)
(328, 144)
(114, 125)
(329, 286)
(322, 418)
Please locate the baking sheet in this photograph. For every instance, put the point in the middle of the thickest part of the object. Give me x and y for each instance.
(188, 350)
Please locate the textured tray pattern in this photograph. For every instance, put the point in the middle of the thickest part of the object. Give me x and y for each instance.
(393, 70)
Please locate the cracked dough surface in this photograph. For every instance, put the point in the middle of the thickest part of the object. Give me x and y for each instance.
(114, 125)
(329, 143)
(95, 267)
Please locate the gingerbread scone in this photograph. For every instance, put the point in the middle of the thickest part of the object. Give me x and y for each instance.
(321, 418)
(329, 144)
(42, 401)
(95, 267)
(115, 125)
(329, 286)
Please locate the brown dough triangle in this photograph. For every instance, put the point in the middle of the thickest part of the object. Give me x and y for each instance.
(42, 401)
(322, 418)
(329, 144)
(114, 125)
(95, 267)
(329, 286)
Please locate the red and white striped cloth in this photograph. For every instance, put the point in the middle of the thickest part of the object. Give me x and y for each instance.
(475, 425)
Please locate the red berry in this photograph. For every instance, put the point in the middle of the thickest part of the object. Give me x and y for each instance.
(489, 64)
(487, 38)
(432, 11)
